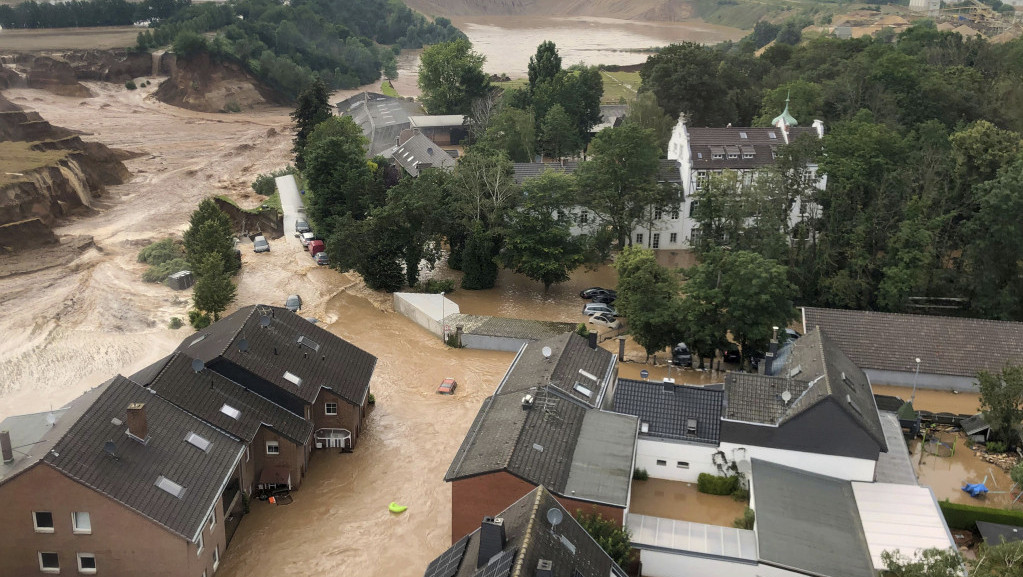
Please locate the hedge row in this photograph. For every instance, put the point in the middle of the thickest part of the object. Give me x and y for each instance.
(966, 516)
(714, 485)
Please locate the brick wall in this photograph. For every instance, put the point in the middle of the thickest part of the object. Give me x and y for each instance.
(348, 416)
(291, 455)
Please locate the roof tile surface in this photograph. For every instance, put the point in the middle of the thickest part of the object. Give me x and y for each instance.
(669, 410)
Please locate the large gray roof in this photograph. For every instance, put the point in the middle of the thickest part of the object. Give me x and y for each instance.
(382, 118)
(705, 142)
(815, 370)
(328, 360)
(945, 345)
(204, 393)
(528, 539)
(544, 445)
(571, 356)
(528, 329)
(667, 171)
(419, 153)
(808, 522)
(667, 409)
(131, 477)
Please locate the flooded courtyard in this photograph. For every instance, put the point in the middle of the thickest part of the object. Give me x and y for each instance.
(681, 501)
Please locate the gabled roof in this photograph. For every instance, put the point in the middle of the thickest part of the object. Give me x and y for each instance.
(669, 170)
(131, 477)
(33, 435)
(573, 367)
(528, 539)
(419, 153)
(556, 442)
(945, 345)
(382, 118)
(816, 370)
(203, 394)
(669, 411)
(704, 143)
(808, 522)
(275, 353)
(436, 120)
(523, 171)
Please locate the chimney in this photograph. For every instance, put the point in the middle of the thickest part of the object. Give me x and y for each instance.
(5, 446)
(137, 425)
(491, 539)
(544, 568)
(771, 351)
(593, 339)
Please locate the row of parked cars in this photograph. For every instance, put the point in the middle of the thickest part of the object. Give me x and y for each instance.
(682, 357)
(599, 308)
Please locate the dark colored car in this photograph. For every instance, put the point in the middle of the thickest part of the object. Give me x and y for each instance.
(605, 298)
(595, 291)
(321, 258)
(302, 226)
(294, 303)
(681, 356)
(732, 354)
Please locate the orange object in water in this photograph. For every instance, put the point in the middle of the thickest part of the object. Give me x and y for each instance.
(273, 500)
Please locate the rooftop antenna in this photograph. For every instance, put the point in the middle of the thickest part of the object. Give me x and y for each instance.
(111, 449)
(547, 352)
(198, 365)
(786, 396)
(554, 517)
(243, 345)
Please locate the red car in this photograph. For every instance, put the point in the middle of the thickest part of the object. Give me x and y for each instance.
(447, 387)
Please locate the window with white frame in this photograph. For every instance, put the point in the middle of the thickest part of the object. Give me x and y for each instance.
(682, 465)
(216, 557)
(747, 155)
(212, 521)
(656, 240)
(81, 523)
(639, 238)
(673, 237)
(717, 156)
(657, 214)
(330, 408)
(198, 550)
(49, 562)
(87, 563)
(733, 155)
(674, 214)
(43, 521)
(273, 448)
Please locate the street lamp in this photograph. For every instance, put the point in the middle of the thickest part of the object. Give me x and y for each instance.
(915, 375)
(443, 326)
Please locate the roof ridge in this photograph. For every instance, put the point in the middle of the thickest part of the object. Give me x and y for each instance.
(528, 533)
(252, 310)
(913, 316)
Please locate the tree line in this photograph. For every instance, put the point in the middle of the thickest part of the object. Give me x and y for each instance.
(85, 13)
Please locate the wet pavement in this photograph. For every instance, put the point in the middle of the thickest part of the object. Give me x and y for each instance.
(676, 500)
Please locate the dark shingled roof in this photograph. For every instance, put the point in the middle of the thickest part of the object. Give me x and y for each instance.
(669, 171)
(667, 409)
(528, 539)
(809, 522)
(545, 445)
(570, 353)
(147, 374)
(131, 477)
(203, 394)
(705, 142)
(996, 533)
(382, 118)
(419, 153)
(815, 370)
(275, 349)
(946, 345)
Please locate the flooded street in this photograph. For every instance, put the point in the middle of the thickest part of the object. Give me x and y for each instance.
(947, 475)
(676, 500)
(934, 400)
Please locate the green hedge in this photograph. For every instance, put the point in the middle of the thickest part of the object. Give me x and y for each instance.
(966, 516)
(714, 485)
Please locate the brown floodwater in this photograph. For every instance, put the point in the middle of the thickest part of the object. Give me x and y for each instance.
(934, 400)
(947, 475)
(676, 500)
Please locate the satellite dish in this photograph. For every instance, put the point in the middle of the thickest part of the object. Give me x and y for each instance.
(546, 352)
(51, 419)
(644, 374)
(110, 448)
(198, 365)
(554, 516)
(264, 321)
(243, 345)
(786, 397)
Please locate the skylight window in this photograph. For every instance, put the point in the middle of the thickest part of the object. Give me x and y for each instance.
(772, 135)
(170, 486)
(308, 342)
(230, 411)
(587, 375)
(853, 404)
(197, 339)
(583, 390)
(198, 442)
(743, 135)
(293, 379)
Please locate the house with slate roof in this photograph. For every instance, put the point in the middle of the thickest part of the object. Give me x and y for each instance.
(415, 153)
(575, 365)
(522, 540)
(277, 441)
(952, 350)
(522, 439)
(293, 363)
(119, 482)
(817, 414)
(382, 118)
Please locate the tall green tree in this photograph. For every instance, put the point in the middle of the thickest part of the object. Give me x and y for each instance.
(451, 77)
(544, 65)
(540, 243)
(558, 134)
(366, 247)
(513, 130)
(209, 232)
(312, 108)
(685, 79)
(619, 181)
(758, 297)
(702, 318)
(614, 539)
(484, 189)
(648, 296)
(1001, 401)
(213, 289)
(337, 175)
(478, 259)
(646, 113)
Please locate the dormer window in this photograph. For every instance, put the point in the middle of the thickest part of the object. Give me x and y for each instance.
(732, 156)
(718, 156)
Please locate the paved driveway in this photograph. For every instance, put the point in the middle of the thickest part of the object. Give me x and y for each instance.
(291, 202)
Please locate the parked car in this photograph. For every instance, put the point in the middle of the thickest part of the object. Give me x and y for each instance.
(259, 244)
(606, 298)
(605, 320)
(447, 387)
(316, 246)
(681, 356)
(599, 308)
(790, 335)
(294, 303)
(306, 238)
(302, 226)
(594, 291)
(731, 354)
(321, 258)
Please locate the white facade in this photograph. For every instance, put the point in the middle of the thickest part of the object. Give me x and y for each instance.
(848, 468)
(659, 563)
(674, 460)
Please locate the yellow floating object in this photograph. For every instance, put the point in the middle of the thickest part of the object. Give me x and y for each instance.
(396, 508)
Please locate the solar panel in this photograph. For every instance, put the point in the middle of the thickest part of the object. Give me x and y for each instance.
(447, 564)
(499, 566)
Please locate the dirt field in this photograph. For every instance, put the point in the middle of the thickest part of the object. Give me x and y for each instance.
(101, 38)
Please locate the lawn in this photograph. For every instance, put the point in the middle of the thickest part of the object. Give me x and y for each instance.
(388, 90)
(17, 158)
(619, 85)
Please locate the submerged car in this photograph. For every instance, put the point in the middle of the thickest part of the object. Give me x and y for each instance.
(260, 244)
(595, 291)
(321, 258)
(606, 298)
(599, 308)
(681, 356)
(294, 303)
(447, 387)
(605, 320)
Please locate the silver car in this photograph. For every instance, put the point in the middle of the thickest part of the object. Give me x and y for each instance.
(259, 244)
(599, 308)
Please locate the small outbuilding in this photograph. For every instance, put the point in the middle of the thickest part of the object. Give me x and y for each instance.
(181, 280)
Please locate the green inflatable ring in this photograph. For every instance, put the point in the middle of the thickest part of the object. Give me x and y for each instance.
(396, 508)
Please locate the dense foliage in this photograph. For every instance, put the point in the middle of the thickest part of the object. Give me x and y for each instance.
(164, 257)
(209, 248)
(451, 77)
(614, 539)
(82, 13)
(1001, 401)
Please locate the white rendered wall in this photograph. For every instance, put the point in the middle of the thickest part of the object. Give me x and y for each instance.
(847, 468)
(650, 449)
(667, 564)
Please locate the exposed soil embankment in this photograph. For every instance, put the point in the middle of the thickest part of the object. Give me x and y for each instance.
(48, 172)
(62, 72)
(649, 10)
(203, 84)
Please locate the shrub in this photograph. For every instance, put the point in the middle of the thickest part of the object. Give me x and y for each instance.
(199, 320)
(264, 183)
(966, 516)
(130, 85)
(582, 331)
(175, 323)
(640, 474)
(746, 521)
(452, 341)
(232, 106)
(435, 286)
(741, 494)
(996, 447)
(372, 399)
(164, 258)
(160, 272)
(715, 485)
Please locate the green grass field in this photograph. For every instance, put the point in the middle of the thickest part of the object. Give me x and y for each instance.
(17, 158)
(617, 86)
(387, 90)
